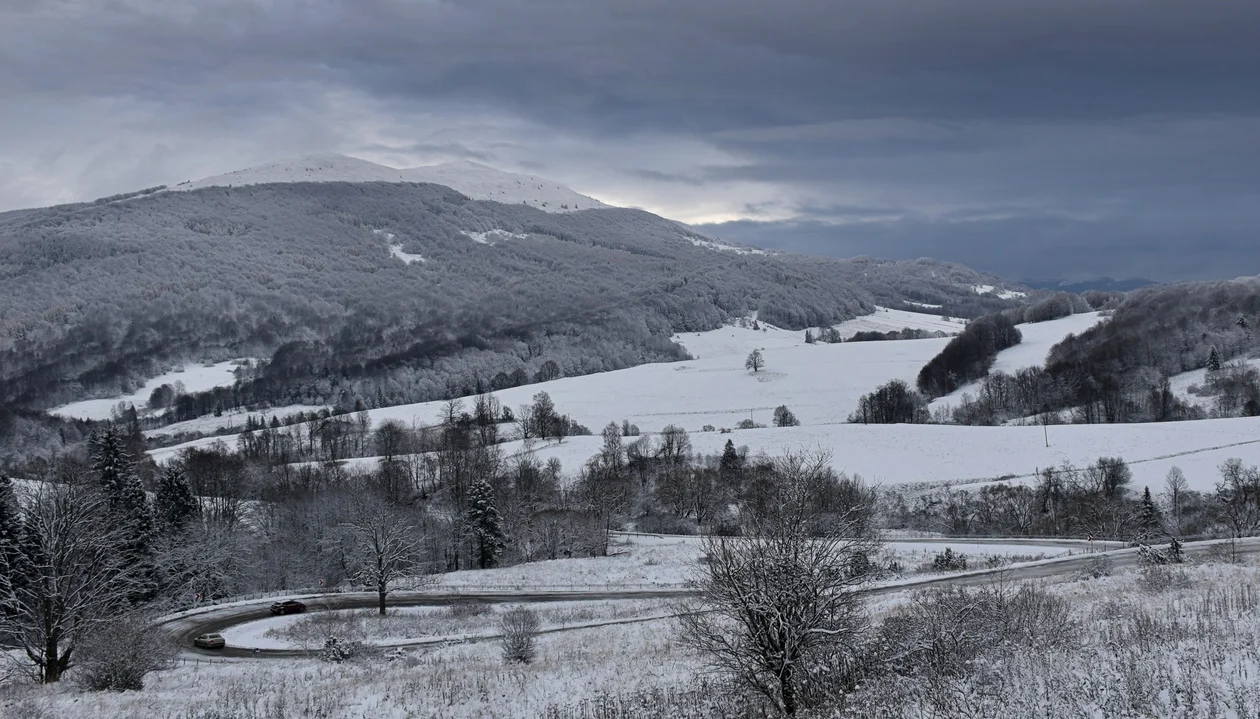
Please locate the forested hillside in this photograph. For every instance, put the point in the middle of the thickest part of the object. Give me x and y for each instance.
(380, 293)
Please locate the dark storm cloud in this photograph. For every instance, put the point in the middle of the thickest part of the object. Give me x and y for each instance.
(1096, 114)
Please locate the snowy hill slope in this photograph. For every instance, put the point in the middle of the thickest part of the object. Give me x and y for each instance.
(476, 181)
(1038, 338)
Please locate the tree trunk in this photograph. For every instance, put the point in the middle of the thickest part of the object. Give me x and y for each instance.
(381, 591)
(54, 665)
(788, 691)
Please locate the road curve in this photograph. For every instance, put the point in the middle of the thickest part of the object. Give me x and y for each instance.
(186, 627)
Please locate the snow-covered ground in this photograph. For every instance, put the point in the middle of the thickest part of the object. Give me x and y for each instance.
(901, 454)
(1181, 384)
(229, 420)
(403, 625)
(1038, 338)
(821, 383)
(476, 181)
(195, 377)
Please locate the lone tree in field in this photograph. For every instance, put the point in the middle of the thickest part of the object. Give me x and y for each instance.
(778, 605)
(755, 361)
(384, 547)
(783, 417)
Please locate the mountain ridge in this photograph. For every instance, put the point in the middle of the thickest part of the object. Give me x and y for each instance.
(477, 181)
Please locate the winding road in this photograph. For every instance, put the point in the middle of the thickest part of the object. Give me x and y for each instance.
(187, 625)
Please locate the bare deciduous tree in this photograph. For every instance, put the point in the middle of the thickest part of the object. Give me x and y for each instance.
(754, 361)
(385, 547)
(69, 579)
(776, 602)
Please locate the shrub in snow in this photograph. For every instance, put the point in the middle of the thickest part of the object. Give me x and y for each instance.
(119, 654)
(949, 561)
(338, 650)
(1097, 568)
(520, 630)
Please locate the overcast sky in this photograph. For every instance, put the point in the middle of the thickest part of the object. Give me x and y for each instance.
(1033, 138)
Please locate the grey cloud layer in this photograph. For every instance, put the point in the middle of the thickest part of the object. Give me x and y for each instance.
(1106, 113)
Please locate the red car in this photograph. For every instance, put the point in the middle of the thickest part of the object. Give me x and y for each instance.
(288, 606)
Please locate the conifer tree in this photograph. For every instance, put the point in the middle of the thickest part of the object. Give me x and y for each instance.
(10, 540)
(1149, 516)
(484, 525)
(128, 504)
(174, 502)
(112, 464)
(1214, 361)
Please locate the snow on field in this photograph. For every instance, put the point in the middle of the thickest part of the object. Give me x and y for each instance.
(821, 383)
(1181, 384)
(739, 341)
(229, 420)
(196, 378)
(403, 625)
(1038, 338)
(886, 320)
(901, 454)
(476, 181)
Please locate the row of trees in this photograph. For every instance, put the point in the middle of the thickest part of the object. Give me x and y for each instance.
(1097, 500)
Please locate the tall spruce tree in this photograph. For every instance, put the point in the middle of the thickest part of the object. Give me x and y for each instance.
(128, 505)
(484, 525)
(174, 502)
(10, 541)
(1149, 516)
(1214, 361)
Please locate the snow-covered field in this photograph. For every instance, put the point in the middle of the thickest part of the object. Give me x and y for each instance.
(195, 377)
(821, 383)
(1038, 338)
(229, 420)
(476, 181)
(1181, 384)
(966, 456)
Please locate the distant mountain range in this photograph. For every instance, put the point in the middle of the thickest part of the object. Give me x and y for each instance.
(1103, 284)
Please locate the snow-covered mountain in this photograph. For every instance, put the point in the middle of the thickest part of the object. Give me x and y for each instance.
(476, 181)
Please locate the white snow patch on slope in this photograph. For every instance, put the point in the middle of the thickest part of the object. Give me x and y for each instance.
(723, 247)
(1038, 338)
(407, 257)
(476, 181)
(1002, 294)
(195, 377)
(887, 320)
(492, 237)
